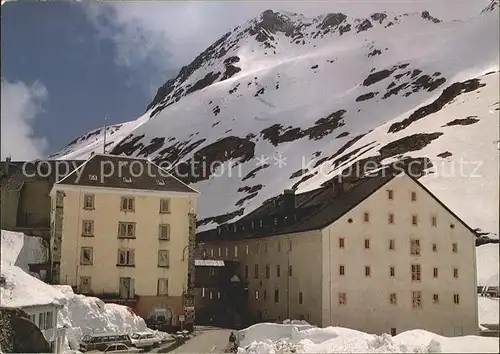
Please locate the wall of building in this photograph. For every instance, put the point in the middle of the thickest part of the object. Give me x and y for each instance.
(34, 204)
(367, 298)
(304, 257)
(104, 272)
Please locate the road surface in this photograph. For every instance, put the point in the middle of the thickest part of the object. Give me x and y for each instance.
(206, 340)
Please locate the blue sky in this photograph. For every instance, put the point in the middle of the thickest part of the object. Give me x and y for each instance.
(65, 65)
(56, 44)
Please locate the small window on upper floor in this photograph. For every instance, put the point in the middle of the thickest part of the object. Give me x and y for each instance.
(160, 182)
(413, 196)
(414, 220)
(341, 242)
(393, 300)
(93, 177)
(164, 232)
(455, 247)
(456, 298)
(415, 247)
(392, 245)
(434, 221)
(434, 247)
(88, 202)
(246, 249)
(164, 206)
(392, 271)
(368, 271)
(127, 204)
(435, 298)
(367, 243)
(390, 194)
(455, 272)
(235, 251)
(367, 217)
(342, 299)
(391, 218)
(88, 228)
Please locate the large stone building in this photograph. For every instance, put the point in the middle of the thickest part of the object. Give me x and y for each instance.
(380, 254)
(123, 231)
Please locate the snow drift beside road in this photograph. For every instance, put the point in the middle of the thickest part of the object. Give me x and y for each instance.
(487, 264)
(20, 250)
(276, 338)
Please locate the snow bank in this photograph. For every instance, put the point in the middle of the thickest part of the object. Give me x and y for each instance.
(487, 264)
(488, 309)
(274, 338)
(21, 250)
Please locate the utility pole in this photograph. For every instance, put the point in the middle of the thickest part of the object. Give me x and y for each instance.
(105, 131)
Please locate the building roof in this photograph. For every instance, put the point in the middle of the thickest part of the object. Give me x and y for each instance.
(38, 169)
(111, 171)
(314, 210)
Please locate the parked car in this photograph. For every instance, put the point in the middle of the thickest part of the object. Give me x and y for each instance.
(121, 348)
(145, 340)
(102, 341)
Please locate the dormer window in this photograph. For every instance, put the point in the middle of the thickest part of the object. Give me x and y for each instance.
(93, 177)
(127, 179)
(160, 182)
(260, 223)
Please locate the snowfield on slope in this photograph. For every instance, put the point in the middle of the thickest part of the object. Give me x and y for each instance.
(282, 90)
(280, 338)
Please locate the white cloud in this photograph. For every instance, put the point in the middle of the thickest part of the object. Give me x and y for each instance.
(171, 34)
(20, 105)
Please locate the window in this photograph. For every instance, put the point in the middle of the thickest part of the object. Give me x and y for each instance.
(220, 252)
(268, 271)
(435, 298)
(265, 246)
(393, 299)
(368, 271)
(415, 247)
(256, 294)
(434, 247)
(164, 206)
(301, 298)
(88, 228)
(367, 217)
(435, 273)
(163, 258)
(41, 320)
(415, 272)
(218, 295)
(391, 218)
(278, 271)
(434, 221)
(456, 298)
(86, 256)
(414, 220)
(246, 271)
(256, 271)
(279, 245)
(289, 270)
(203, 292)
(226, 251)
(341, 242)
(164, 232)
(246, 249)
(88, 202)
(390, 194)
(203, 253)
(235, 251)
(367, 243)
(212, 252)
(455, 272)
(127, 204)
(276, 295)
(290, 244)
(126, 230)
(341, 270)
(126, 257)
(211, 295)
(392, 245)
(342, 299)
(85, 285)
(416, 299)
(393, 331)
(392, 271)
(455, 247)
(162, 287)
(413, 196)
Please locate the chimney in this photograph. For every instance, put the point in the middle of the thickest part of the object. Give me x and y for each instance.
(289, 200)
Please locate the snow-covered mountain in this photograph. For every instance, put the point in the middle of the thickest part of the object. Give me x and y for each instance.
(286, 101)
